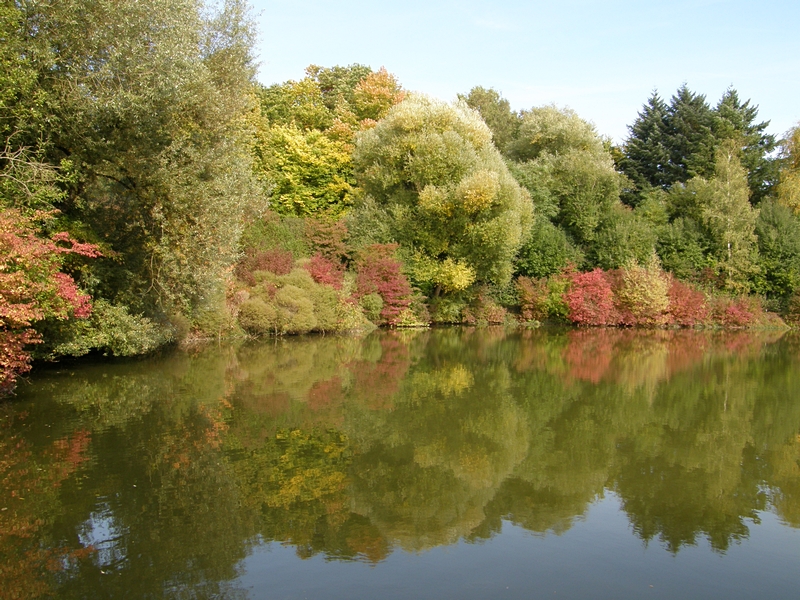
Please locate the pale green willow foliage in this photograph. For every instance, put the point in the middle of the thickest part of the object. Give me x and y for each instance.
(148, 100)
(431, 170)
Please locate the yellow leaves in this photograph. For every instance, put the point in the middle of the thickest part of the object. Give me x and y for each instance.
(473, 195)
(478, 191)
(789, 186)
(455, 276)
(435, 200)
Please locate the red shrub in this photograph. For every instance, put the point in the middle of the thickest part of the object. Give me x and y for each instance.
(275, 261)
(687, 305)
(590, 299)
(33, 288)
(484, 310)
(730, 312)
(327, 238)
(378, 271)
(325, 271)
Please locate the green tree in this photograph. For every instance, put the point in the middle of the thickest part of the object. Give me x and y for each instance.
(645, 157)
(569, 172)
(496, 113)
(690, 137)
(452, 204)
(778, 231)
(551, 130)
(729, 218)
(146, 104)
(789, 184)
(737, 120)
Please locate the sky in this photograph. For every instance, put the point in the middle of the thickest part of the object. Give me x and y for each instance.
(603, 58)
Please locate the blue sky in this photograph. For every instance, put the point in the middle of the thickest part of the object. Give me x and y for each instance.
(601, 58)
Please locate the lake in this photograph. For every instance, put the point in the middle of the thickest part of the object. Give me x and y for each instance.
(442, 463)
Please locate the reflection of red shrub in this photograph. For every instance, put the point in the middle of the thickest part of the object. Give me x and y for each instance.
(590, 299)
(323, 393)
(325, 271)
(379, 272)
(687, 306)
(377, 383)
(589, 353)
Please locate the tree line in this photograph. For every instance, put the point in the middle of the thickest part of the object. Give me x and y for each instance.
(152, 190)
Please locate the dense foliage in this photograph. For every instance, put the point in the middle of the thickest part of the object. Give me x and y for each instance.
(138, 129)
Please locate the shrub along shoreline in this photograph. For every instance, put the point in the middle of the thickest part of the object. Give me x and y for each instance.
(331, 287)
(153, 192)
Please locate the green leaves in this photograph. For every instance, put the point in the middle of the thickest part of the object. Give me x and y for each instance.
(450, 201)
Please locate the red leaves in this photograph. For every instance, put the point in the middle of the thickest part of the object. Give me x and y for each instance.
(379, 272)
(325, 271)
(687, 306)
(590, 299)
(32, 288)
(280, 262)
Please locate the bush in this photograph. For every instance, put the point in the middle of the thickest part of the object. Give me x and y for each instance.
(258, 317)
(687, 306)
(372, 304)
(735, 312)
(111, 329)
(543, 298)
(533, 295)
(642, 297)
(483, 310)
(378, 271)
(294, 304)
(547, 251)
(793, 308)
(32, 288)
(274, 260)
(325, 271)
(590, 299)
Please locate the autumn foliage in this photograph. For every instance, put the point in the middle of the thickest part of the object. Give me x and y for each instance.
(591, 299)
(325, 271)
(378, 272)
(32, 287)
(634, 296)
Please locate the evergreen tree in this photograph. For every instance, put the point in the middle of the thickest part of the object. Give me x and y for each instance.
(689, 137)
(646, 156)
(737, 120)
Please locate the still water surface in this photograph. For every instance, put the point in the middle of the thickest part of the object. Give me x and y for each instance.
(449, 463)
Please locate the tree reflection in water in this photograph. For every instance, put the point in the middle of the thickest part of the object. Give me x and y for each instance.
(166, 472)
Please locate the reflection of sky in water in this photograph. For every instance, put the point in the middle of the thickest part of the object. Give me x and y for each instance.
(599, 557)
(102, 533)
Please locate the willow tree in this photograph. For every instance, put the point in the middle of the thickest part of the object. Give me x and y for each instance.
(444, 192)
(140, 105)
